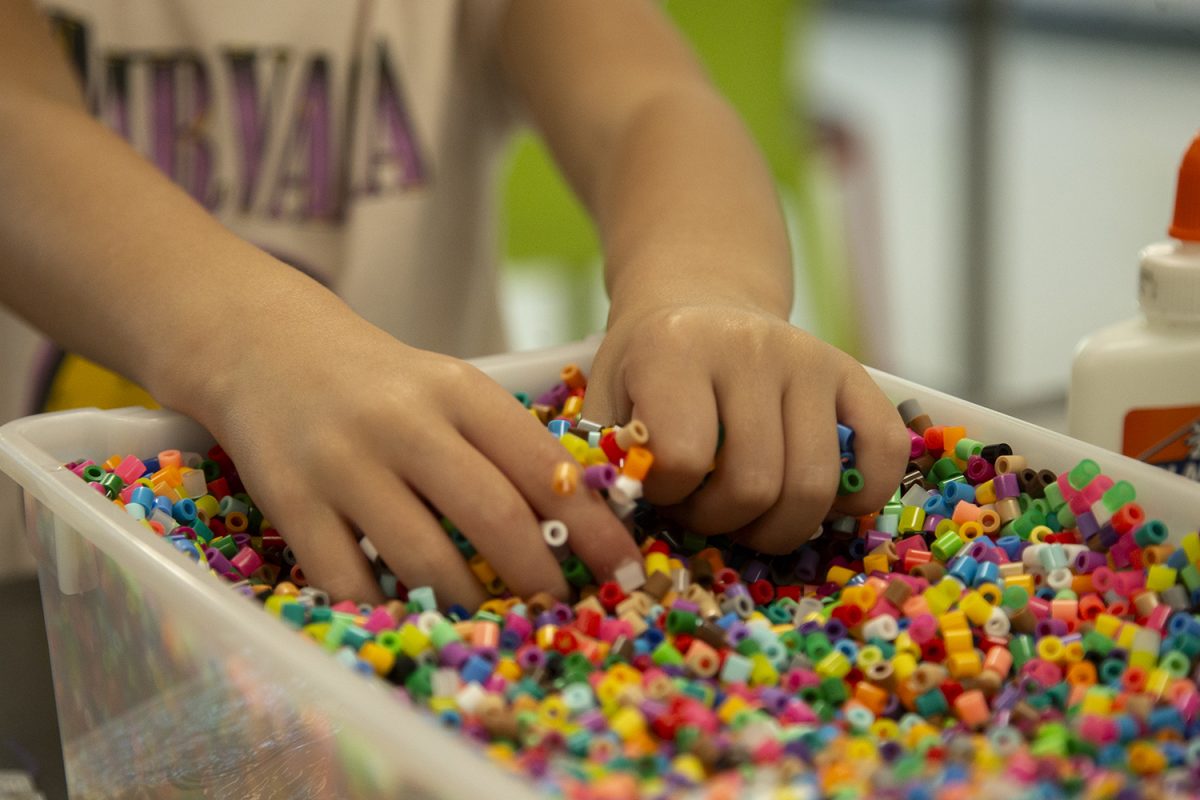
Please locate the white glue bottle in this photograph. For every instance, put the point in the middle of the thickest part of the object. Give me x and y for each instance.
(1135, 386)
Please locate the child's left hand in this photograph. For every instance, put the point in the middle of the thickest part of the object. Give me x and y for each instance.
(778, 393)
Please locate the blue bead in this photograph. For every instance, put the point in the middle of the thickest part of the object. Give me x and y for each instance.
(1011, 545)
(964, 568)
(936, 504)
(152, 465)
(143, 496)
(163, 504)
(184, 511)
(652, 637)
(845, 438)
(987, 573)
(956, 492)
(476, 670)
(559, 427)
(1178, 560)
(458, 612)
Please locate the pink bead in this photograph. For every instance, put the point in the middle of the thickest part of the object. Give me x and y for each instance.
(1188, 705)
(247, 561)
(800, 713)
(81, 466)
(379, 620)
(1158, 617)
(1039, 606)
(613, 629)
(922, 628)
(1098, 729)
(1044, 672)
(130, 469)
(346, 607)
(1096, 488)
(917, 444)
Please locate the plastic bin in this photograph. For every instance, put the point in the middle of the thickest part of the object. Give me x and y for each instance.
(170, 685)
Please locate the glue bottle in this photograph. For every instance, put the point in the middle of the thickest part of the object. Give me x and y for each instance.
(1135, 386)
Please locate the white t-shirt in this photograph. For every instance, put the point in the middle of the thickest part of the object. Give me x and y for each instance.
(357, 141)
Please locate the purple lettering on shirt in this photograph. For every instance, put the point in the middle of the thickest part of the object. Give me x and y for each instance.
(393, 160)
(305, 182)
(179, 142)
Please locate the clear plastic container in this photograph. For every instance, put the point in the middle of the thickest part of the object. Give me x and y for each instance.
(170, 685)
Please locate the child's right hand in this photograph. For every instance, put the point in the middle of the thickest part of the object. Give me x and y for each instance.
(335, 425)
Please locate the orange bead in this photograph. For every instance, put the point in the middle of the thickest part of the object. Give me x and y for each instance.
(637, 463)
(573, 377)
(566, 478)
(972, 708)
(871, 696)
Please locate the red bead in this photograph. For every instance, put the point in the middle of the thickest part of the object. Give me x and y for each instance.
(219, 488)
(610, 595)
(659, 546)
(762, 592)
(683, 641)
(608, 443)
(848, 615)
(565, 641)
(933, 650)
(588, 621)
(790, 592)
(951, 690)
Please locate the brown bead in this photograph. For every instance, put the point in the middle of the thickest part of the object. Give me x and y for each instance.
(702, 571)
(540, 603)
(932, 572)
(897, 593)
(657, 585)
(1024, 621)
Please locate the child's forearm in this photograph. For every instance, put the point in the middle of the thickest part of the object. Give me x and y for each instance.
(104, 254)
(688, 211)
(685, 206)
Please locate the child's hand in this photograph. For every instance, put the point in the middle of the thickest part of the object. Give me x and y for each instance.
(777, 392)
(343, 427)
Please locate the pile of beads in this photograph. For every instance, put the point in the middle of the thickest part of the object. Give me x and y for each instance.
(994, 630)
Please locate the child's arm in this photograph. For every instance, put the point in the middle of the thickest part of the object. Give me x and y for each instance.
(332, 422)
(700, 277)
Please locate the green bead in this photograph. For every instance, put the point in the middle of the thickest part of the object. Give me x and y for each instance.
(420, 683)
(1023, 649)
(225, 545)
(321, 614)
(443, 633)
(817, 646)
(204, 533)
(1014, 598)
(93, 473)
(1066, 518)
(944, 468)
(355, 637)
(523, 398)
(1054, 496)
(1189, 576)
(1175, 663)
(851, 482)
(1082, 473)
(834, 690)
(112, 484)
(667, 655)
(211, 469)
(681, 621)
(576, 572)
(946, 546)
(748, 647)
(1117, 495)
(965, 448)
(793, 640)
(780, 615)
(294, 614)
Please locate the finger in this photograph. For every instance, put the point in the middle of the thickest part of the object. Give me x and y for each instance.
(527, 455)
(606, 400)
(411, 542)
(679, 408)
(494, 516)
(328, 554)
(881, 445)
(749, 474)
(810, 474)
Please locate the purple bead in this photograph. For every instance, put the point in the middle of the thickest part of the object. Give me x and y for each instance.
(554, 396)
(807, 565)
(531, 658)
(736, 633)
(454, 654)
(241, 540)
(835, 629)
(753, 571)
(774, 700)
(1089, 561)
(1087, 525)
(876, 539)
(217, 561)
(562, 614)
(931, 522)
(1006, 485)
(600, 476)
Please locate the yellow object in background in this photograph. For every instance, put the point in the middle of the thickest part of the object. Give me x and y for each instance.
(79, 383)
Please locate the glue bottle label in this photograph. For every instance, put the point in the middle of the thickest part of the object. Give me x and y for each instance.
(1165, 437)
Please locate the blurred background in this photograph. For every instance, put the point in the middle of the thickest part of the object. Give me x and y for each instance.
(994, 165)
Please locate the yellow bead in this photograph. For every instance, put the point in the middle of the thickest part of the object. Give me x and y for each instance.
(1191, 545)
(904, 644)
(1107, 625)
(885, 729)
(731, 707)
(964, 664)
(1098, 700)
(1023, 581)
(627, 723)
(763, 672)
(985, 493)
(657, 562)
(379, 657)
(1050, 648)
(839, 575)
(958, 641)
(834, 665)
(871, 654)
(976, 608)
(953, 621)
(413, 640)
(690, 767)
(876, 562)
(1160, 577)
(904, 665)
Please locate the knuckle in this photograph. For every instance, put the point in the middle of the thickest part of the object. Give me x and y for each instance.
(814, 488)
(753, 491)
